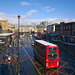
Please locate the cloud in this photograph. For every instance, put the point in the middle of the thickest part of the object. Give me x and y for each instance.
(14, 20)
(49, 20)
(28, 4)
(48, 9)
(25, 3)
(31, 12)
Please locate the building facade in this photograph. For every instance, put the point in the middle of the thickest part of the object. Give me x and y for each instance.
(67, 29)
(51, 28)
(45, 23)
(5, 26)
(73, 29)
(6, 38)
(63, 28)
(41, 28)
(0, 28)
(11, 28)
(26, 29)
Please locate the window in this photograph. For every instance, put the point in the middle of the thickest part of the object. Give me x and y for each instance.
(52, 56)
(40, 46)
(57, 28)
(39, 54)
(52, 49)
(73, 33)
(35, 43)
(66, 27)
(53, 52)
(44, 48)
(69, 27)
(38, 49)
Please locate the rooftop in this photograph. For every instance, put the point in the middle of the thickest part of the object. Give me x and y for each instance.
(45, 43)
(6, 34)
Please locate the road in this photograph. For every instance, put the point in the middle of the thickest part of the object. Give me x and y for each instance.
(33, 67)
(29, 65)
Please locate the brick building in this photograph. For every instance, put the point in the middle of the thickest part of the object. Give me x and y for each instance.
(5, 26)
(67, 29)
(51, 28)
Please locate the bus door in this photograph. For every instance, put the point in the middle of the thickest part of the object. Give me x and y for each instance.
(52, 57)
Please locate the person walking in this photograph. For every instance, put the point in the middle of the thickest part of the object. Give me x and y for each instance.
(4, 58)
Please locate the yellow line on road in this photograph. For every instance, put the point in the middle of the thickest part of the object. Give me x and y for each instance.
(23, 61)
(37, 63)
(63, 73)
(68, 67)
(62, 61)
(72, 72)
(32, 62)
(60, 67)
(40, 68)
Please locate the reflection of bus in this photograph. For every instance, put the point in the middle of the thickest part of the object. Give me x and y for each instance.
(47, 53)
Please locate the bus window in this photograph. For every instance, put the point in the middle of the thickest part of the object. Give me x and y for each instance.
(44, 48)
(52, 49)
(52, 56)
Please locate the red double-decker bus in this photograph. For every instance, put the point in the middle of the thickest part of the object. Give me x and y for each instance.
(47, 53)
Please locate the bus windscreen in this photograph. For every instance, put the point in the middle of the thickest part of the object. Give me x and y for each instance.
(52, 56)
(51, 49)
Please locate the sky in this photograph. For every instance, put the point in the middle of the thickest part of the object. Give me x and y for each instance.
(33, 12)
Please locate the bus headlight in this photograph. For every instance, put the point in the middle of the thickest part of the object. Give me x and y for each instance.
(57, 63)
(46, 64)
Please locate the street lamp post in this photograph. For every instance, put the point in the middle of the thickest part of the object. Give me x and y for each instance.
(18, 68)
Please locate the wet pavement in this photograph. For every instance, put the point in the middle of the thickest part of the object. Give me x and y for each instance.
(29, 65)
(33, 67)
(10, 68)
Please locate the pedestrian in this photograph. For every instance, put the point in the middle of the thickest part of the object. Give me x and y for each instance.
(0, 51)
(4, 58)
(12, 50)
(7, 52)
(9, 58)
(3, 69)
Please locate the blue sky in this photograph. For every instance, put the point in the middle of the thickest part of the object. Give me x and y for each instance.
(35, 11)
